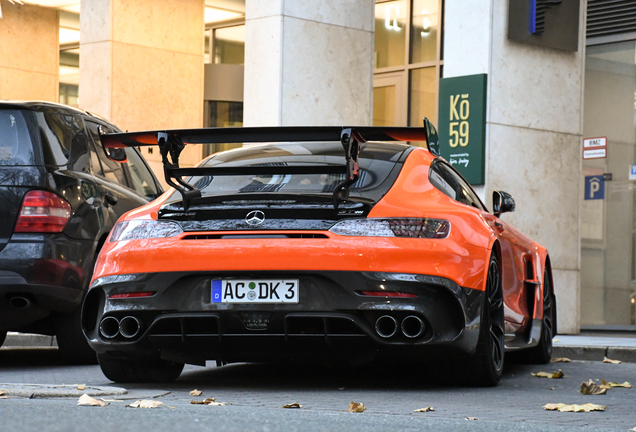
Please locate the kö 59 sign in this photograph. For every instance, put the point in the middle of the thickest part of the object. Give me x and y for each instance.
(458, 126)
(462, 124)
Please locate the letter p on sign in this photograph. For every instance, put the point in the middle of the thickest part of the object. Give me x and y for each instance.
(594, 187)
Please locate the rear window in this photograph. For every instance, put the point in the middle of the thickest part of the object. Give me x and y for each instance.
(376, 164)
(16, 145)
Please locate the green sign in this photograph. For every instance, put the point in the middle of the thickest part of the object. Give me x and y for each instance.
(462, 125)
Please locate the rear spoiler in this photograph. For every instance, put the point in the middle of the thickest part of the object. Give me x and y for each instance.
(172, 142)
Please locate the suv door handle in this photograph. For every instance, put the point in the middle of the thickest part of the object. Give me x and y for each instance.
(110, 199)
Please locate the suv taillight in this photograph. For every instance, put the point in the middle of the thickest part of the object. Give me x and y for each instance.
(43, 212)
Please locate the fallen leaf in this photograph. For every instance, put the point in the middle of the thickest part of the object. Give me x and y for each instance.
(633, 429)
(471, 418)
(196, 392)
(341, 388)
(555, 340)
(609, 385)
(552, 388)
(1, 393)
(203, 402)
(427, 409)
(87, 400)
(606, 360)
(561, 407)
(145, 403)
(589, 387)
(81, 387)
(357, 407)
(4, 397)
(553, 375)
(560, 360)
(293, 405)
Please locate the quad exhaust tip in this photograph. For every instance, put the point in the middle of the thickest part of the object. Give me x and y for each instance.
(109, 327)
(412, 326)
(386, 326)
(129, 327)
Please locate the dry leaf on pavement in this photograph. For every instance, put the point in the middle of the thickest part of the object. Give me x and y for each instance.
(357, 407)
(427, 409)
(145, 403)
(208, 401)
(196, 392)
(81, 387)
(589, 387)
(471, 418)
(4, 397)
(561, 407)
(1, 393)
(552, 388)
(609, 385)
(341, 388)
(87, 400)
(293, 405)
(606, 360)
(560, 360)
(553, 375)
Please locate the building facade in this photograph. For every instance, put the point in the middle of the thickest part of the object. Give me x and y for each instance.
(539, 104)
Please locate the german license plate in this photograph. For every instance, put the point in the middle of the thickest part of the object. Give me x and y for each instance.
(255, 291)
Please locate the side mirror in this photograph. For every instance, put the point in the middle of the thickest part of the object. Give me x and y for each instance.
(113, 153)
(432, 139)
(502, 202)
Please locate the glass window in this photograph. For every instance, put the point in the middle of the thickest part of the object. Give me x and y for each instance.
(110, 169)
(449, 182)
(222, 114)
(80, 159)
(390, 28)
(424, 27)
(16, 145)
(141, 179)
(423, 100)
(229, 45)
(56, 133)
(384, 106)
(608, 213)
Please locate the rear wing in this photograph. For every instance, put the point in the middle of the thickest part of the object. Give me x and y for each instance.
(172, 142)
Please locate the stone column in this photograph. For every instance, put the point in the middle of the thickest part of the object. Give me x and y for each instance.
(308, 62)
(29, 53)
(141, 66)
(533, 132)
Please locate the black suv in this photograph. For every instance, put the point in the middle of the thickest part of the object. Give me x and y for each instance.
(59, 198)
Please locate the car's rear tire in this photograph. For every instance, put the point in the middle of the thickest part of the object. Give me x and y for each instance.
(139, 371)
(486, 364)
(542, 353)
(71, 341)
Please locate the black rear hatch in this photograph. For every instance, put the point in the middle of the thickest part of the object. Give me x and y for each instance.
(286, 202)
(20, 166)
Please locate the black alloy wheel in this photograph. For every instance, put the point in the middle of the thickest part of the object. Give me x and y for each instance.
(542, 353)
(486, 365)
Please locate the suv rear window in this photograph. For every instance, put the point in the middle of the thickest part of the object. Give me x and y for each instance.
(376, 163)
(16, 145)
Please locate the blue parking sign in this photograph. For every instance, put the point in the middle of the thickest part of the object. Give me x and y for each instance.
(594, 187)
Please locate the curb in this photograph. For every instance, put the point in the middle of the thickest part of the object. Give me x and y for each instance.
(595, 353)
(16, 340)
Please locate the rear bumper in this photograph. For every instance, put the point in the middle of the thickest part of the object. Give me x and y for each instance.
(332, 318)
(47, 270)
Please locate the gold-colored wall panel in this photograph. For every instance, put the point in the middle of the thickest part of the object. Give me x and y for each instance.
(16, 84)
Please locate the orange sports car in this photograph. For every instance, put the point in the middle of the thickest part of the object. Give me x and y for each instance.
(317, 243)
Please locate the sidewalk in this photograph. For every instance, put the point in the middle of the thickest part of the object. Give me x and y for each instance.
(586, 346)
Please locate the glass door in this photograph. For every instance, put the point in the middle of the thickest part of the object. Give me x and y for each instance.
(388, 100)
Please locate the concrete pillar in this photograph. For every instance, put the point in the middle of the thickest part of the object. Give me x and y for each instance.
(308, 62)
(29, 53)
(533, 132)
(141, 66)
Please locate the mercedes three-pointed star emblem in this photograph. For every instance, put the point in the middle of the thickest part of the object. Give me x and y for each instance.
(255, 217)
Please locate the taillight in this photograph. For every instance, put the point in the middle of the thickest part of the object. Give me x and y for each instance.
(137, 294)
(43, 212)
(393, 227)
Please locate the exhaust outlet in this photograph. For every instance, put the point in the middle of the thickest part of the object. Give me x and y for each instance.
(386, 326)
(412, 326)
(129, 327)
(109, 327)
(19, 302)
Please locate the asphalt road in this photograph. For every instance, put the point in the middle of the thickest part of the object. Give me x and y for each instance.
(258, 392)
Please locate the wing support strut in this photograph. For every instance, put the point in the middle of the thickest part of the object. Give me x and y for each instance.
(351, 142)
(172, 146)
